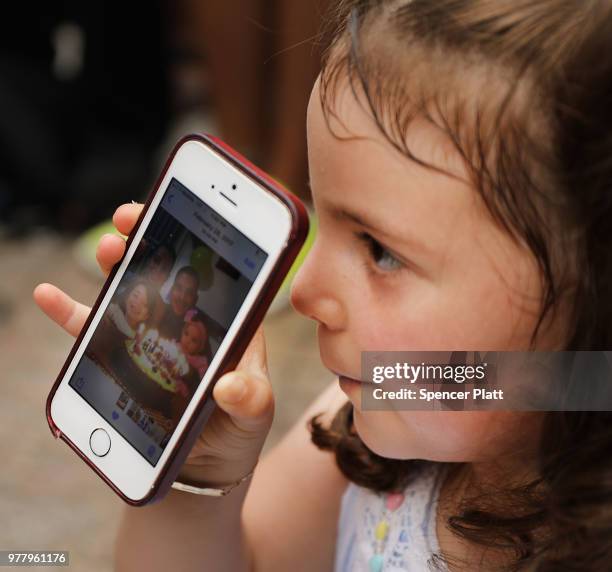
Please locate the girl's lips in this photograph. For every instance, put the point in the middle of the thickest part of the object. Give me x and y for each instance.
(347, 378)
(347, 383)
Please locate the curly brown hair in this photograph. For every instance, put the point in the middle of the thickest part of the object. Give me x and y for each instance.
(536, 136)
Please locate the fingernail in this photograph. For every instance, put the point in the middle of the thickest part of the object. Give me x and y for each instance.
(236, 389)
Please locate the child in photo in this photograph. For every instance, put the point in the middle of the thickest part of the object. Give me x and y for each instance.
(194, 344)
(460, 157)
(134, 308)
(194, 341)
(126, 316)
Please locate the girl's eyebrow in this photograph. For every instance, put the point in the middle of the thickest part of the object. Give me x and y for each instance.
(341, 213)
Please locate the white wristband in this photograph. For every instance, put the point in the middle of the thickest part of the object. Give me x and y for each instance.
(210, 491)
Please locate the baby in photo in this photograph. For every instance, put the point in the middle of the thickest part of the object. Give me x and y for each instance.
(194, 343)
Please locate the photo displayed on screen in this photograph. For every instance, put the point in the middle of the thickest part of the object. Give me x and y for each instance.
(160, 331)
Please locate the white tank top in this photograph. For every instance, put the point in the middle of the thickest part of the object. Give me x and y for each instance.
(411, 537)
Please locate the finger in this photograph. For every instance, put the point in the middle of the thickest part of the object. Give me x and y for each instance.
(110, 250)
(255, 358)
(125, 217)
(247, 399)
(61, 308)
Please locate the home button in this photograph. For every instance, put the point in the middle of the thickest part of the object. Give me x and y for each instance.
(100, 442)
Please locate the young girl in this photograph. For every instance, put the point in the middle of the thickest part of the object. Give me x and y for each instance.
(135, 306)
(125, 318)
(460, 168)
(194, 342)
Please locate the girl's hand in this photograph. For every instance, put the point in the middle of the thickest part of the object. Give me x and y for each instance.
(230, 444)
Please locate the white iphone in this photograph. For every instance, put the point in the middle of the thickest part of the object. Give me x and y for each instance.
(210, 250)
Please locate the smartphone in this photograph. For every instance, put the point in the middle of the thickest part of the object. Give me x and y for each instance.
(214, 241)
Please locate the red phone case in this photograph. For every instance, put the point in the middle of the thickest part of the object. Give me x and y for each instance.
(206, 405)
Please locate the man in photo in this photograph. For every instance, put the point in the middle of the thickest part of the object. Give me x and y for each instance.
(183, 296)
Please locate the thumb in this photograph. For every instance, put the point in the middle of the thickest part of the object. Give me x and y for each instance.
(246, 396)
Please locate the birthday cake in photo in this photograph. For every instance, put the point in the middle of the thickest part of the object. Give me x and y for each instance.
(160, 359)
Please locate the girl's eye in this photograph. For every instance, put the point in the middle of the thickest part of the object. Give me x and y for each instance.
(382, 257)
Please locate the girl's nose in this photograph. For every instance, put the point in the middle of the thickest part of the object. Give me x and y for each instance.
(315, 292)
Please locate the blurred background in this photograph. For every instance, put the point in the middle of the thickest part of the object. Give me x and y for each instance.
(93, 95)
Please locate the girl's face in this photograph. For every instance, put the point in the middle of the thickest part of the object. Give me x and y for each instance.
(137, 305)
(409, 259)
(192, 339)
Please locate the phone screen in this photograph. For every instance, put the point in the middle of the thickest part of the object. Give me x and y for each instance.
(172, 308)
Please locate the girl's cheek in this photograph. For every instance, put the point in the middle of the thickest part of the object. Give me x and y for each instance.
(460, 436)
(142, 312)
(396, 312)
(380, 325)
